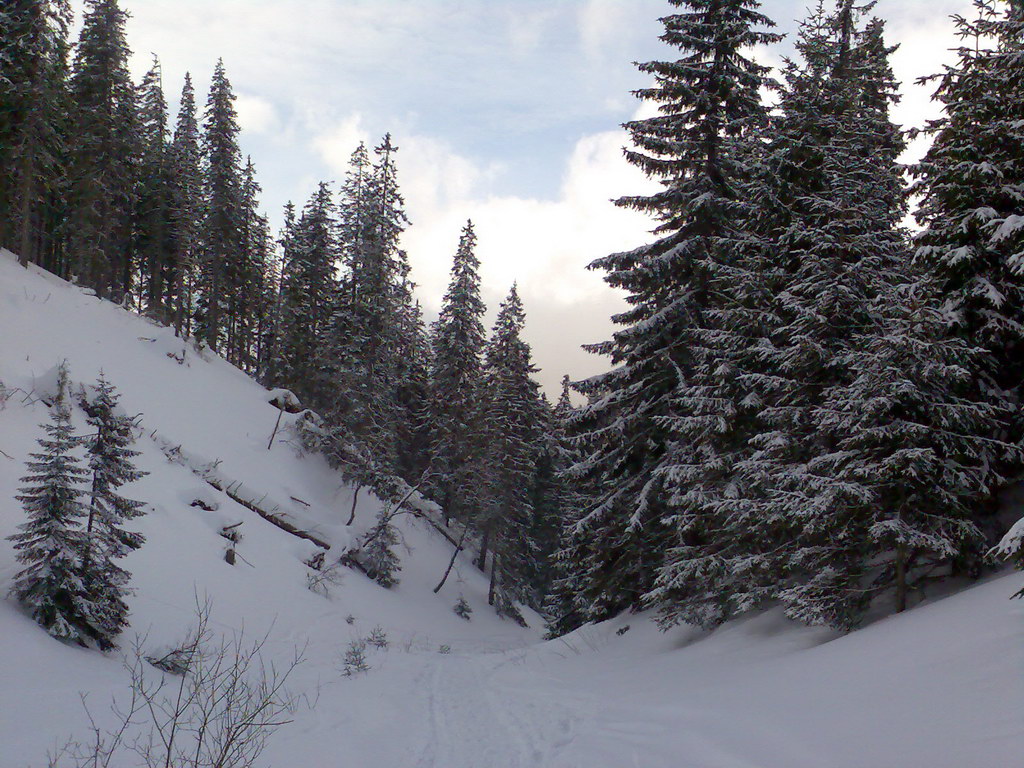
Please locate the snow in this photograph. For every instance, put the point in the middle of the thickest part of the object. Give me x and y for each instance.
(941, 686)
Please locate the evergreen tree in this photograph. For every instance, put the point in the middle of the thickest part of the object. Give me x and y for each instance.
(51, 543)
(154, 197)
(221, 266)
(308, 292)
(377, 555)
(512, 423)
(186, 211)
(111, 465)
(369, 329)
(911, 453)
(456, 379)
(563, 605)
(971, 183)
(273, 371)
(103, 154)
(33, 60)
(248, 306)
(672, 352)
(415, 356)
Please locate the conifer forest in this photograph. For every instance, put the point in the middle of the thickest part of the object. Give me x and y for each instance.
(248, 458)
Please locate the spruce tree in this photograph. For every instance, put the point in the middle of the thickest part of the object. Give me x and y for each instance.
(186, 210)
(369, 328)
(111, 466)
(221, 265)
(971, 183)
(103, 154)
(911, 453)
(831, 208)
(672, 351)
(154, 198)
(248, 306)
(564, 604)
(377, 555)
(512, 433)
(33, 60)
(456, 386)
(51, 544)
(308, 293)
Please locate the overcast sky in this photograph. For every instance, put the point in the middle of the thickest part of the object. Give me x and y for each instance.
(505, 111)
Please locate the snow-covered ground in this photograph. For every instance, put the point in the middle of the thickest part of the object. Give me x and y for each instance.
(939, 687)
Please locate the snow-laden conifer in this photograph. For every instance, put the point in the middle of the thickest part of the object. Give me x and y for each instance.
(103, 154)
(672, 352)
(33, 121)
(111, 465)
(971, 182)
(154, 197)
(377, 555)
(52, 544)
(186, 210)
(512, 421)
(221, 265)
(456, 378)
(308, 292)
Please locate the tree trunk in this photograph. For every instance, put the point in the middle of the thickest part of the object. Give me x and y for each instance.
(481, 562)
(352, 515)
(901, 578)
(494, 580)
(27, 185)
(451, 563)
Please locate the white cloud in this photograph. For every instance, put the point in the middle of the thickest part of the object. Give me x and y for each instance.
(598, 22)
(543, 245)
(336, 145)
(255, 114)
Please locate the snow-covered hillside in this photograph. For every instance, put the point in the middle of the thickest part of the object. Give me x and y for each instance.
(941, 686)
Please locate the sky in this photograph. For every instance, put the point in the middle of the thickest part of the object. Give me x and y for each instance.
(506, 112)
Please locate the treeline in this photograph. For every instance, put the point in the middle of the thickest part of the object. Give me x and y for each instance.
(99, 188)
(810, 406)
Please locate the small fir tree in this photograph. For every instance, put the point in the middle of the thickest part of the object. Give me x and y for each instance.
(377, 555)
(51, 544)
(111, 463)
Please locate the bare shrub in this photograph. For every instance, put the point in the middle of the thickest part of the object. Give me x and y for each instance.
(218, 708)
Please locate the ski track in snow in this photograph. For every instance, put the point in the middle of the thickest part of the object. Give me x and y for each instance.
(475, 722)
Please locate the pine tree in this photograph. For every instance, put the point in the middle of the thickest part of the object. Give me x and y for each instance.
(186, 212)
(221, 266)
(512, 421)
(103, 154)
(33, 59)
(673, 349)
(911, 453)
(308, 293)
(832, 207)
(110, 463)
(51, 543)
(456, 386)
(248, 305)
(377, 555)
(154, 197)
(971, 183)
(562, 603)
(368, 335)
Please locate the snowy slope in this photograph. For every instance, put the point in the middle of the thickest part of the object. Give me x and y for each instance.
(217, 416)
(939, 687)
